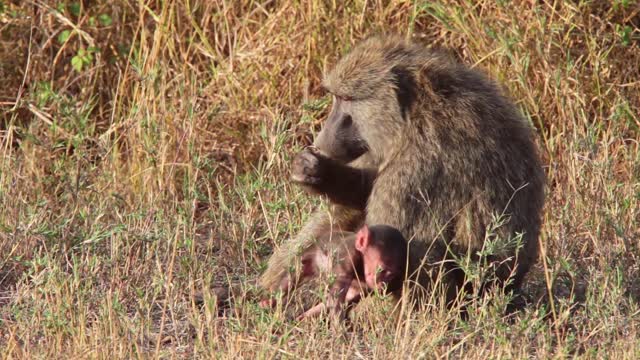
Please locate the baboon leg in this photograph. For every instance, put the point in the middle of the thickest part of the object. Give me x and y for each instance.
(338, 218)
(285, 255)
(287, 284)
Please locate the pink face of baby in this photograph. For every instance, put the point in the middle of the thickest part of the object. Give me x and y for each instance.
(379, 270)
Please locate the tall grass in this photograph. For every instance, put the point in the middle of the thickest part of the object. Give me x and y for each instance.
(145, 156)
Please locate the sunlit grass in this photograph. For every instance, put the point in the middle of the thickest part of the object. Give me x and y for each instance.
(145, 158)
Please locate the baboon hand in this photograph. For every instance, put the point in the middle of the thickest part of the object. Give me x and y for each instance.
(308, 168)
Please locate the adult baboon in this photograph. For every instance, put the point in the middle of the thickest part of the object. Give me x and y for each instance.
(431, 147)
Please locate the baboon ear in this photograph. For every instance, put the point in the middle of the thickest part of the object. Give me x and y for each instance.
(362, 238)
(405, 89)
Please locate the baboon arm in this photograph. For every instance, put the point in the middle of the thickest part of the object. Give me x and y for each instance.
(313, 312)
(353, 296)
(346, 185)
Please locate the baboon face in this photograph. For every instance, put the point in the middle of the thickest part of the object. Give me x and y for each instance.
(340, 137)
(358, 126)
(373, 94)
(384, 255)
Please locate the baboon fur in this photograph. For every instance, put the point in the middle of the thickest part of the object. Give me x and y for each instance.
(445, 153)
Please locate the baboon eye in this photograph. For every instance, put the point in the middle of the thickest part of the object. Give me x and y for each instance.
(344, 97)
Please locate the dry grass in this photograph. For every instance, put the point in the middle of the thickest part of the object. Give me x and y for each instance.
(160, 167)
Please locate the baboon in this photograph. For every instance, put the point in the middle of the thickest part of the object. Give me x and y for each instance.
(373, 259)
(431, 147)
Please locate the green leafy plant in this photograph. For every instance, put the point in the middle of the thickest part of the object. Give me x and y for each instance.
(624, 33)
(83, 58)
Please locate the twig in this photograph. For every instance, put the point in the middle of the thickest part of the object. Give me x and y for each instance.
(26, 70)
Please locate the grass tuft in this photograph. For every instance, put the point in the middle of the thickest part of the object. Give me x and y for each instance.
(145, 157)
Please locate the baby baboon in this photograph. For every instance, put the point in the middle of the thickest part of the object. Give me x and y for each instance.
(373, 259)
(432, 148)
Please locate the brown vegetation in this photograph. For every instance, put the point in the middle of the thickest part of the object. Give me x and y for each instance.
(145, 158)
